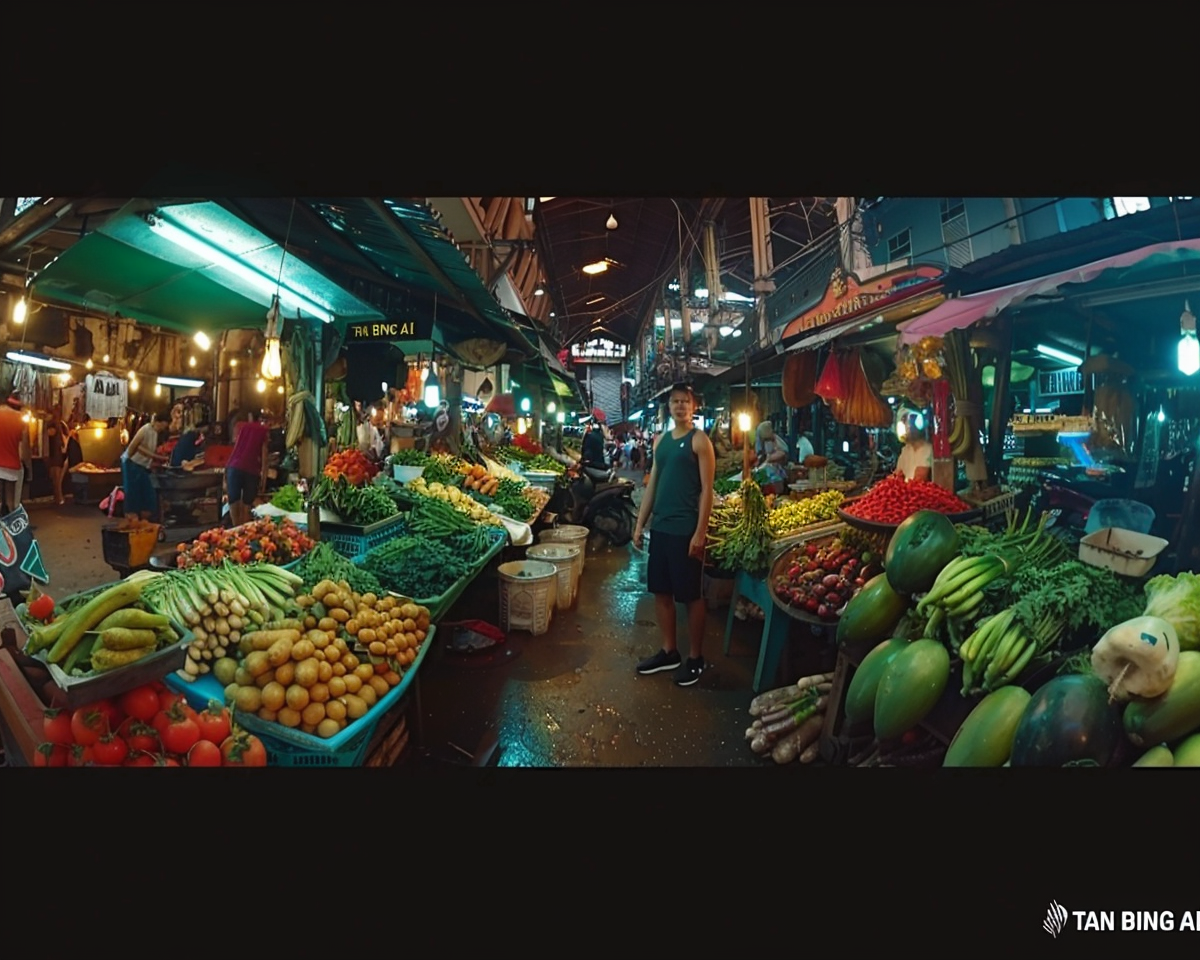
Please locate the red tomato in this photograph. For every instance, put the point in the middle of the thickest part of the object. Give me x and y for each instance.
(88, 725)
(110, 751)
(181, 732)
(56, 727)
(243, 750)
(204, 753)
(79, 756)
(50, 755)
(42, 608)
(168, 698)
(140, 760)
(113, 713)
(141, 737)
(214, 723)
(141, 703)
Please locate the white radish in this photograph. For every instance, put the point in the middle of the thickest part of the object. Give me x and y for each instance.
(1137, 658)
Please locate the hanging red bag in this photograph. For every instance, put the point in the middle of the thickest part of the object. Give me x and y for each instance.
(831, 385)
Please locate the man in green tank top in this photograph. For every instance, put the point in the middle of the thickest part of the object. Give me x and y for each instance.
(679, 498)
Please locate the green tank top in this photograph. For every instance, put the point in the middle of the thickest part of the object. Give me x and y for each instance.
(677, 488)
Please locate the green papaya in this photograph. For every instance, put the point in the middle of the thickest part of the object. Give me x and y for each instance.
(921, 546)
(910, 687)
(1173, 715)
(985, 738)
(859, 703)
(1187, 754)
(1159, 756)
(872, 613)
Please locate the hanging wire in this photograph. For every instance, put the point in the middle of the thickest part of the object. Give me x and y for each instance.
(283, 253)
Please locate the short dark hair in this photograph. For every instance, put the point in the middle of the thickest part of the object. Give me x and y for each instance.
(162, 417)
(682, 387)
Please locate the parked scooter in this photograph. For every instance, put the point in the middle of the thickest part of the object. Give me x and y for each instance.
(601, 501)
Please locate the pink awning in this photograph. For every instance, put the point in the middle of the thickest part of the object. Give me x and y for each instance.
(960, 312)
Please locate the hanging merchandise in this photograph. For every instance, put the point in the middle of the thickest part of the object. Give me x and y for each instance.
(861, 406)
(1113, 412)
(800, 378)
(74, 403)
(107, 396)
(831, 385)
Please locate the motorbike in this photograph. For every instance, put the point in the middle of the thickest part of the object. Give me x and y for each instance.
(599, 500)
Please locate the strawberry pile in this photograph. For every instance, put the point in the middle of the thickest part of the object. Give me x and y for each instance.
(894, 500)
(352, 464)
(275, 542)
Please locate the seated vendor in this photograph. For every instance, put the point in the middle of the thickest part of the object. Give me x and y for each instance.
(189, 445)
(916, 459)
(771, 453)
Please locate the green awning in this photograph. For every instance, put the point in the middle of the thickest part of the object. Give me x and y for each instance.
(404, 239)
(187, 267)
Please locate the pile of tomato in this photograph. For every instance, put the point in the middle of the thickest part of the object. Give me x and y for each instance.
(275, 541)
(894, 500)
(352, 464)
(526, 442)
(149, 726)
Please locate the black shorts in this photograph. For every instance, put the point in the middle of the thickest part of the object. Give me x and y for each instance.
(669, 569)
(242, 485)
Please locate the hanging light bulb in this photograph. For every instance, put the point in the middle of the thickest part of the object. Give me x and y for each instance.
(261, 385)
(158, 389)
(20, 311)
(611, 222)
(550, 407)
(133, 385)
(279, 389)
(202, 340)
(433, 388)
(89, 363)
(232, 362)
(132, 374)
(272, 364)
(1189, 346)
(106, 358)
(191, 360)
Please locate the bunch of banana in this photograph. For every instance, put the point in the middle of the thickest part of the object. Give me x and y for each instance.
(303, 420)
(347, 434)
(958, 590)
(961, 438)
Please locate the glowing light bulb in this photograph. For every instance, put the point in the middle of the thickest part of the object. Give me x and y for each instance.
(105, 359)
(20, 310)
(261, 385)
(89, 363)
(202, 340)
(233, 362)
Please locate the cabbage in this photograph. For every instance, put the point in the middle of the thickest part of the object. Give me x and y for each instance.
(1177, 600)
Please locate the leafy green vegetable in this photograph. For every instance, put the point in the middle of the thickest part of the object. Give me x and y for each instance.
(409, 458)
(1075, 593)
(288, 498)
(1177, 600)
(322, 562)
(360, 506)
(417, 567)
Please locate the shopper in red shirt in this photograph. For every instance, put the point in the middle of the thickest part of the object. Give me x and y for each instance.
(244, 468)
(14, 453)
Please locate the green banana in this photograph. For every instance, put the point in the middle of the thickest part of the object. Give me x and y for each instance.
(1012, 637)
(1021, 663)
(957, 573)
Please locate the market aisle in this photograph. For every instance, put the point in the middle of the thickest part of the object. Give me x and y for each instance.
(570, 697)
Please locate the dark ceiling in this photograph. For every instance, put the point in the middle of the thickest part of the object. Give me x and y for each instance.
(652, 238)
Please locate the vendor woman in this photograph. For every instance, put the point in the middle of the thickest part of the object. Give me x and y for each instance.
(771, 452)
(141, 499)
(916, 459)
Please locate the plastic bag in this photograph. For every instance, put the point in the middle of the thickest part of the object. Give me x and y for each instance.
(20, 557)
(472, 636)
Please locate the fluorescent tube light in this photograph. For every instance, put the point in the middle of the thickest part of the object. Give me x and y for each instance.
(598, 267)
(180, 382)
(225, 260)
(37, 360)
(1055, 354)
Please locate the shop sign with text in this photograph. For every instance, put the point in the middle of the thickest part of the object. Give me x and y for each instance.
(387, 331)
(895, 296)
(599, 350)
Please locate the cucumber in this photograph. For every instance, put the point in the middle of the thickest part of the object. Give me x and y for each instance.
(859, 703)
(910, 687)
(986, 737)
(1159, 756)
(1173, 715)
(872, 613)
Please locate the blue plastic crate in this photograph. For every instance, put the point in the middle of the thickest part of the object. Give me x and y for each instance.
(288, 747)
(352, 541)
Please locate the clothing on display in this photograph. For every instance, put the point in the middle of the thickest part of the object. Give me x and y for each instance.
(74, 403)
(106, 396)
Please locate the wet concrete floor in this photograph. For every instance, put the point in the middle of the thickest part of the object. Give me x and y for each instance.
(566, 698)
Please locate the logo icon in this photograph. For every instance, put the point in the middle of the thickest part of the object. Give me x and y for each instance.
(1056, 919)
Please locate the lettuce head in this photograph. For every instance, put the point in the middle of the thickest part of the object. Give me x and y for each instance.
(1177, 600)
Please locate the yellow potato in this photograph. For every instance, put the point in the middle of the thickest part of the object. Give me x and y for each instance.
(264, 678)
(351, 627)
(353, 683)
(380, 684)
(289, 717)
(335, 710)
(285, 673)
(309, 622)
(313, 714)
(340, 615)
(327, 624)
(318, 693)
(303, 649)
(257, 663)
(337, 687)
(339, 669)
(308, 672)
(355, 706)
(296, 697)
(328, 728)
(324, 671)
(274, 696)
(367, 694)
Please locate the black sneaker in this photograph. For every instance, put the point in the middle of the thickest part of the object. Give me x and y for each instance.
(690, 672)
(660, 661)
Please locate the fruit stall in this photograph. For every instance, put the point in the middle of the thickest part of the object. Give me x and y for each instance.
(990, 643)
(303, 651)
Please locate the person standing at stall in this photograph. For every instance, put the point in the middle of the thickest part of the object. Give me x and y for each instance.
(244, 468)
(141, 499)
(56, 452)
(771, 452)
(14, 454)
(916, 459)
(187, 447)
(677, 502)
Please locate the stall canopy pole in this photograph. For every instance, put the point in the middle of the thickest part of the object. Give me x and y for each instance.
(747, 446)
(1000, 402)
